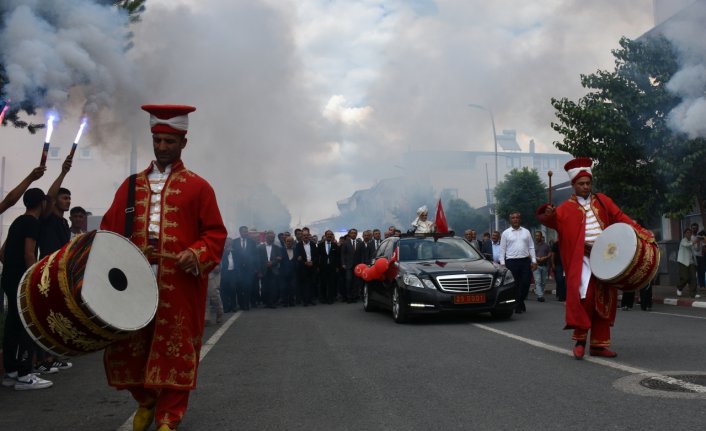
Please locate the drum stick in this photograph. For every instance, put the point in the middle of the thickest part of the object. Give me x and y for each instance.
(149, 252)
(549, 174)
(165, 256)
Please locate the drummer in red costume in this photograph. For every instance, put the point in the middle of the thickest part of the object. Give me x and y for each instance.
(590, 303)
(176, 214)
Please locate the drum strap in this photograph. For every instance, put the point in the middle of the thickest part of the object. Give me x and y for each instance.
(130, 208)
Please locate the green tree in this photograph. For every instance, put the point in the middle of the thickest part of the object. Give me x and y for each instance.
(134, 9)
(461, 216)
(622, 124)
(523, 191)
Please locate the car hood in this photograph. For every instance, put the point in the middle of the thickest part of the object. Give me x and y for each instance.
(441, 267)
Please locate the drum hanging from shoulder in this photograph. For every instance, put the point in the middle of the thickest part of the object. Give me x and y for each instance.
(93, 291)
(623, 259)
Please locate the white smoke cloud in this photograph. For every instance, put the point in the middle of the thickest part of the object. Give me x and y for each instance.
(50, 48)
(318, 98)
(685, 31)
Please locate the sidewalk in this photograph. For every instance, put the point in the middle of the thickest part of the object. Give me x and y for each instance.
(660, 295)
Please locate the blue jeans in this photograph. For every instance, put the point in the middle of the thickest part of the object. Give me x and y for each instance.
(540, 280)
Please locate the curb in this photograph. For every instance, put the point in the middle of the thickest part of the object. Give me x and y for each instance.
(685, 302)
(680, 302)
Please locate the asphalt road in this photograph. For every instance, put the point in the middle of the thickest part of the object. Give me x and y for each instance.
(335, 367)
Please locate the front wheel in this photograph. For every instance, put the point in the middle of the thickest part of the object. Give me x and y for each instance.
(367, 306)
(399, 312)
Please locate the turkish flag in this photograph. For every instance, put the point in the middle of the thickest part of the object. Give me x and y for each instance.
(441, 225)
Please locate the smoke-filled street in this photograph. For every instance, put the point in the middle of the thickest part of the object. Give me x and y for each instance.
(335, 367)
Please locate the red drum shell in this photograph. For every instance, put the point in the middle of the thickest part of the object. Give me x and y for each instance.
(634, 270)
(61, 315)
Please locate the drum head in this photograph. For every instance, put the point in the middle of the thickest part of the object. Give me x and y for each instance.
(119, 286)
(613, 251)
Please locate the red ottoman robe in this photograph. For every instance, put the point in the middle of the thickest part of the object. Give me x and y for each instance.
(165, 354)
(570, 222)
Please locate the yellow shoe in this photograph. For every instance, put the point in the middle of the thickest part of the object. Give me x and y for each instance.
(165, 427)
(143, 419)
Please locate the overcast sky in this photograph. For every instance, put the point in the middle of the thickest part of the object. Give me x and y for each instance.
(315, 97)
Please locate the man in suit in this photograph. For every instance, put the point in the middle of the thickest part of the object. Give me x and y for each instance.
(245, 267)
(228, 293)
(366, 253)
(377, 240)
(470, 236)
(348, 262)
(269, 258)
(306, 267)
(288, 273)
(329, 264)
(487, 246)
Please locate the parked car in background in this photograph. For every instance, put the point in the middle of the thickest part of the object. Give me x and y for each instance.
(438, 273)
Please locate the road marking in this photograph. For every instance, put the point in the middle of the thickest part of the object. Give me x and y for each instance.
(600, 361)
(207, 346)
(678, 315)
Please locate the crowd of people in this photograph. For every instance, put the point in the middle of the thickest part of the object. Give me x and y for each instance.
(40, 231)
(287, 270)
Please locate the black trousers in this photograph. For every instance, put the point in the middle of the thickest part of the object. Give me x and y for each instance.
(17, 346)
(307, 286)
(560, 283)
(521, 270)
(228, 294)
(288, 289)
(328, 285)
(269, 289)
(243, 288)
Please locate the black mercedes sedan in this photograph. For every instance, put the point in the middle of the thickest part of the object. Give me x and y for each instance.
(438, 273)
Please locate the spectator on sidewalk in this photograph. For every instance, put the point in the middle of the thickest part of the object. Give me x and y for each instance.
(544, 255)
(699, 246)
(79, 221)
(17, 254)
(687, 264)
(517, 255)
(558, 272)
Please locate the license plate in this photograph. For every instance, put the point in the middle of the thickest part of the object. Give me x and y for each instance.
(474, 298)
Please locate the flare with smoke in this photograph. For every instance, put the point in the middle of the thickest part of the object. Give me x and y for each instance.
(56, 53)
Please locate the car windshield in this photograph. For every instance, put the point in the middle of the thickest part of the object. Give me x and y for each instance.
(446, 248)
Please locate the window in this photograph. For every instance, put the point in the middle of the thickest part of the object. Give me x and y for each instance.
(84, 153)
(53, 153)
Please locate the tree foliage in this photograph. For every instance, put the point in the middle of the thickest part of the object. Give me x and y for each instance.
(461, 216)
(622, 124)
(134, 9)
(523, 191)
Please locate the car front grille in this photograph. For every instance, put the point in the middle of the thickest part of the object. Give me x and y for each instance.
(465, 282)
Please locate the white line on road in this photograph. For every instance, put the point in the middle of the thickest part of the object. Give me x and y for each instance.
(678, 315)
(612, 363)
(207, 346)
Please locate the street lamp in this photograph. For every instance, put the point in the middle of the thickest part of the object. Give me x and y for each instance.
(495, 141)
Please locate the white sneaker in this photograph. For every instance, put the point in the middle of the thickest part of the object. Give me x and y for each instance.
(697, 296)
(9, 379)
(62, 365)
(31, 381)
(678, 292)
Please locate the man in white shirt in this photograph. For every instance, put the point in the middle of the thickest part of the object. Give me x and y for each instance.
(517, 254)
(687, 264)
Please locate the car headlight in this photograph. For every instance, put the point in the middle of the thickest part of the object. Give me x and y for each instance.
(428, 283)
(412, 280)
(505, 278)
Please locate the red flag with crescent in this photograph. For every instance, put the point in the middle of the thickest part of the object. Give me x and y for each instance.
(441, 225)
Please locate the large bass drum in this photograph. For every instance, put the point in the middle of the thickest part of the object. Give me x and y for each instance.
(623, 259)
(93, 291)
